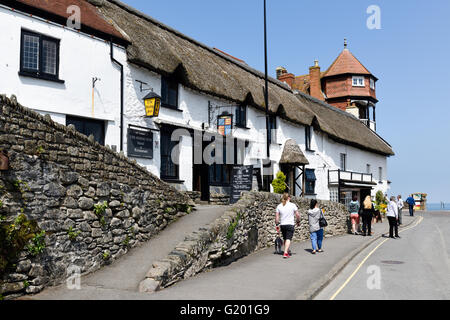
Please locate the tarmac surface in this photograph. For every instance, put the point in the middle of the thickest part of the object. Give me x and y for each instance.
(260, 276)
(414, 267)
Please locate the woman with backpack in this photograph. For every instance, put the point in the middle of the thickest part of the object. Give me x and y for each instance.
(353, 208)
(315, 230)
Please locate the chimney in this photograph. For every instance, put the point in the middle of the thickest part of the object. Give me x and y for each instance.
(283, 76)
(315, 86)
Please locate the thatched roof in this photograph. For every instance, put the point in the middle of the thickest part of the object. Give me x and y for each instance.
(343, 127)
(292, 154)
(161, 49)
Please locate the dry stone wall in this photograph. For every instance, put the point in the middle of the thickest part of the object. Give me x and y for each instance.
(93, 204)
(246, 227)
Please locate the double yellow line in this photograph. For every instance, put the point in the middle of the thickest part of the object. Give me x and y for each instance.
(368, 256)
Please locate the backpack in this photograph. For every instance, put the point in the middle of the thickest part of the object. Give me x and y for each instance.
(353, 207)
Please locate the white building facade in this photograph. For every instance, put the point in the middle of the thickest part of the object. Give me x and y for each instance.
(89, 91)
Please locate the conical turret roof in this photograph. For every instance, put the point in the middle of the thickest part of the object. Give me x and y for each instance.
(346, 63)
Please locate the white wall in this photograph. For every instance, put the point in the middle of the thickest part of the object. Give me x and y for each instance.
(81, 59)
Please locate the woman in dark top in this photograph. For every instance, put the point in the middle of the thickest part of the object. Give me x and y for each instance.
(367, 212)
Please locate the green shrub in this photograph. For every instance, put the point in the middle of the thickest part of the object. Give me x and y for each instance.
(99, 210)
(37, 244)
(279, 183)
(233, 226)
(14, 237)
(72, 234)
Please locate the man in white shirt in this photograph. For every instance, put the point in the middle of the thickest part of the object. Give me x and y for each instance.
(400, 207)
(285, 217)
(392, 215)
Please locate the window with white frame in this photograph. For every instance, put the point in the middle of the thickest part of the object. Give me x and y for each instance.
(380, 174)
(372, 83)
(368, 169)
(358, 81)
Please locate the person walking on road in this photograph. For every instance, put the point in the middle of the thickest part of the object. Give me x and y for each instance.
(392, 215)
(400, 205)
(284, 216)
(315, 230)
(367, 213)
(353, 208)
(411, 202)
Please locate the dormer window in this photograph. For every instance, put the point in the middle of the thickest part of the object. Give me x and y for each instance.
(372, 83)
(358, 81)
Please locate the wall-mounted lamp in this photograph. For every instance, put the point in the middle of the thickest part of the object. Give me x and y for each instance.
(152, 103)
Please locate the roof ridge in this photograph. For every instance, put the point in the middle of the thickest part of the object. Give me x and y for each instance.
(196, 42)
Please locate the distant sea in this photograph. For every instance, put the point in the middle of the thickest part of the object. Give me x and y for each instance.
(437, 207)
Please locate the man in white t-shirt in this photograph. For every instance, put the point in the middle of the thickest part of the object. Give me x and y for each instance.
(284, 216)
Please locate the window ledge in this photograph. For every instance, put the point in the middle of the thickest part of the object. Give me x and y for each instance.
(40, 77)
(310, 194)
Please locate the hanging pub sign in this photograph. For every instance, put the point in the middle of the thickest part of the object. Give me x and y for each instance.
(225, 124)
(140, 144)
(152, 103)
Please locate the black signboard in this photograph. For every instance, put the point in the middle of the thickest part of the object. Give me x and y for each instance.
(140, 144)
(242, 179)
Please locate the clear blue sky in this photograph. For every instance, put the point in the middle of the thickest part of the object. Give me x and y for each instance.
(410, 55)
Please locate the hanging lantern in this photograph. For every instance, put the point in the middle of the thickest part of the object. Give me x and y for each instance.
(152, 103)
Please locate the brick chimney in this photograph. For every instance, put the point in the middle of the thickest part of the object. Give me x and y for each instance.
(315, 86)
(283, 76)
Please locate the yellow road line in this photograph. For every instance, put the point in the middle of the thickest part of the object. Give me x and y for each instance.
(367, 257)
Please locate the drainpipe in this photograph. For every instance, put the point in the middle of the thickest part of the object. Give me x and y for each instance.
(121, 93)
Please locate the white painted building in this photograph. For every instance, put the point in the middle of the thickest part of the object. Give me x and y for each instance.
(52, 68)
(198, 86)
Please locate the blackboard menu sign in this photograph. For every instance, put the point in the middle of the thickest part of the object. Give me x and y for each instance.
(140, 144)
(242, 179)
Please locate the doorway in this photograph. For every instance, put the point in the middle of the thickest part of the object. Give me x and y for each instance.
(200, 175)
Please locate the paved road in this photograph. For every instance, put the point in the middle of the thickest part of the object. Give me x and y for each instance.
(266, 276)
(417, 266)
(121, 279)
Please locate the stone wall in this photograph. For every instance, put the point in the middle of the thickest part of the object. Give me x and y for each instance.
(247, 226)
(58, 177)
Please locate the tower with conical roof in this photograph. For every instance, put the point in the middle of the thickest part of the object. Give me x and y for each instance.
(346, 84)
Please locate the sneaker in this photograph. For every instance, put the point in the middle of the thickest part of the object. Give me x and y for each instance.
(286, 256)
(398, 237)
(290, 253)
